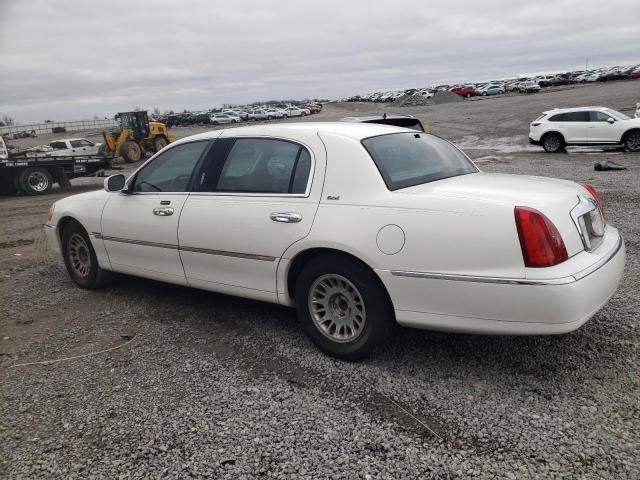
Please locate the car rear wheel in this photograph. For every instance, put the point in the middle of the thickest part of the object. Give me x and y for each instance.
(632, 141)
(343, 307)
(80, 258)
(36, 181)
(553, 142)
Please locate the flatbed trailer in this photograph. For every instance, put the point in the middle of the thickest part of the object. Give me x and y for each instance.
(34, 173)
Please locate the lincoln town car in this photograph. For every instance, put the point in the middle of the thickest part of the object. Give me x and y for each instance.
(359, 227)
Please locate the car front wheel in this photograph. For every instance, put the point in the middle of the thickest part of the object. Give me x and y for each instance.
(343, 307)
(553, 142)
(80, 258)
(632, 141)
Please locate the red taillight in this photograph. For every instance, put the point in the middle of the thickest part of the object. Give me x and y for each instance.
(540, 241)
(535, 124)
(592, 190)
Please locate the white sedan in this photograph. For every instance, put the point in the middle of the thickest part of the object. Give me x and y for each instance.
(359, 226)
(224, 118)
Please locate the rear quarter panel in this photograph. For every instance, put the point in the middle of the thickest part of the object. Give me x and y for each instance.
(441, 235)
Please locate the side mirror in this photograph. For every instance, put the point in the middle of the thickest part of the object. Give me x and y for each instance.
(610, 120)
(114, 183)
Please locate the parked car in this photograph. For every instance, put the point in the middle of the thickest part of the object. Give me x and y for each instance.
(464, 91)
(405, 121)
(295, 112)
(558, 128)
(277, 113)
(354, 258)
(529, 86)
(260, 114)
(223, 118)
(74, 147)
(491, 90)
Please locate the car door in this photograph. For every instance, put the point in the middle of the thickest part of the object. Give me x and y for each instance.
(576, 127)
(140, 225)
(603, 128)
(256, 197)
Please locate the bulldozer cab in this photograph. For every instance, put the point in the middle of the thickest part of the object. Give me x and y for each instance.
(137, 122)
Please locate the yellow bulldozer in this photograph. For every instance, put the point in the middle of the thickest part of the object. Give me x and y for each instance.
(136, 136)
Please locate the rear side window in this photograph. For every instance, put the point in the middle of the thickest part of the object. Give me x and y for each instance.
(408, 159)
(261, 165)
(576, 117)
(58, 145)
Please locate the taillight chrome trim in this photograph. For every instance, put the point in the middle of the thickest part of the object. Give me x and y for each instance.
(586, 206)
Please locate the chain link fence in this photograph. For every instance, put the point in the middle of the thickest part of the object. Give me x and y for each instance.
(49, 127)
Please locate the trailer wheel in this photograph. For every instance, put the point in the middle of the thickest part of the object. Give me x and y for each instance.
(36, 181)
(131, 152)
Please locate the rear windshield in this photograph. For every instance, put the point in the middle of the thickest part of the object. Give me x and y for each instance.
(408, 159)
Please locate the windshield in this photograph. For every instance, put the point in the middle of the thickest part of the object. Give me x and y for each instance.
(618, 115)
(408, 159)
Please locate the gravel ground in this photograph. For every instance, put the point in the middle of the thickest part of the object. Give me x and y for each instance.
(205, 385)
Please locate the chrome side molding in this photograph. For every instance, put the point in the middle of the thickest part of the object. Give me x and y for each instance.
(515, 281)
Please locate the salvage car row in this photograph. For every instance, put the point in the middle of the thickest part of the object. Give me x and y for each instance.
(522, 84)
(239, 114)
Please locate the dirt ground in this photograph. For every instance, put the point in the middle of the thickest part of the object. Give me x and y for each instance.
(207, 385)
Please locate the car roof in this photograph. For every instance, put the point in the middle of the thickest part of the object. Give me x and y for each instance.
(374, 117)
(574, 109)
(354, 130)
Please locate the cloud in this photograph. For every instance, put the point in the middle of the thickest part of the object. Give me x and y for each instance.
(66, 60)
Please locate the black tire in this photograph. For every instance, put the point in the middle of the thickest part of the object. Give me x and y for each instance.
(269, 117)
(36, 181)
(131, 152)
(159, 143)
(553, 142)
(484, 94)
(80, 258)
(632, 141)
(468, 95)
(377, 323)
(304, 114)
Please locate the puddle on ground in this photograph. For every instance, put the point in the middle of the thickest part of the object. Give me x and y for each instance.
(520, 144)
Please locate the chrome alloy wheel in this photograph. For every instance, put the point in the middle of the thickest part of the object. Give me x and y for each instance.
(38, 182)
(552, 142)
(337, 308)
(633, 142)
(79, 256)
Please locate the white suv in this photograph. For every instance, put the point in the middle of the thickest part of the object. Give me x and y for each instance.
(558, 128)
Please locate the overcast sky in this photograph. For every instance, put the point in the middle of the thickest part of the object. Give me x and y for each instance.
(68, 59)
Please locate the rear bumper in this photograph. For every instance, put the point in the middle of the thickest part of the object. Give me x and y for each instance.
(533, 141)
(506, 306)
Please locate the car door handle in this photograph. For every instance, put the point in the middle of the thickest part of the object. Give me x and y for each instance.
(163, 211)
(286, 217)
